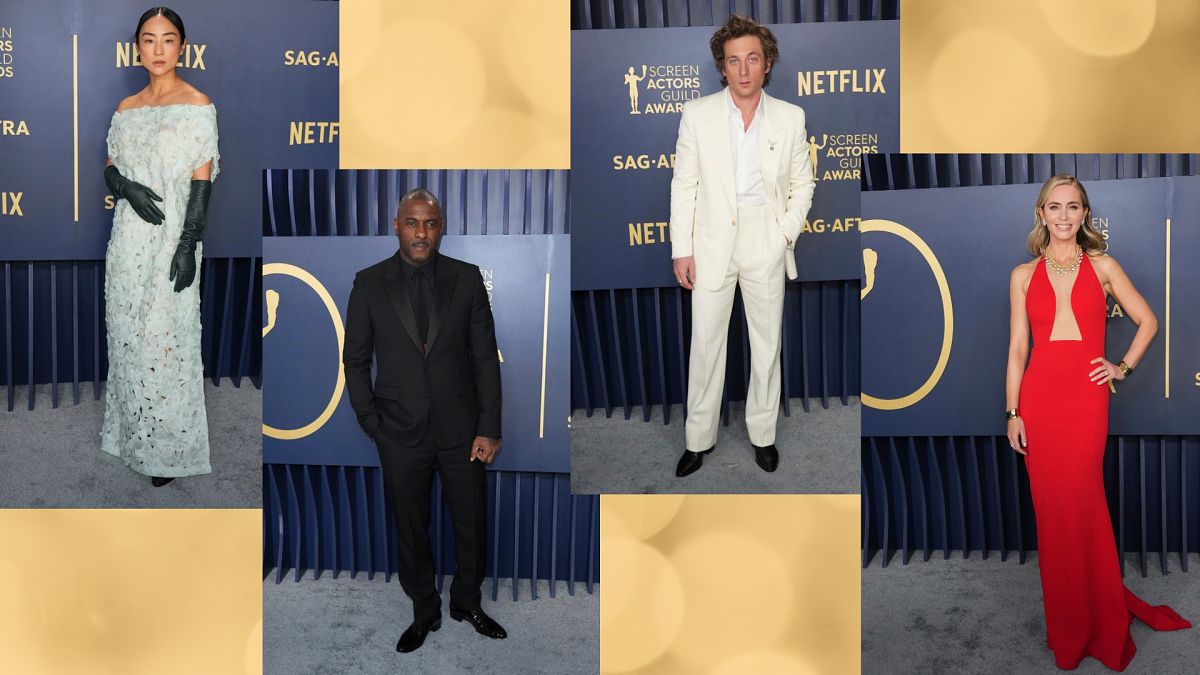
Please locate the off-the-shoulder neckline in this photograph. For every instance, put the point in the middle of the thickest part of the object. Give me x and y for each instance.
(168, 105)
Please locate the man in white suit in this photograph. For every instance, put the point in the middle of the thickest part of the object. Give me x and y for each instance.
(742, 187)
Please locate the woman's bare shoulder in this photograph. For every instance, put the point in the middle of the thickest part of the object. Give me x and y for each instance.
(193, 96)
(1024, 271)
(1107, 268)
(131, 101)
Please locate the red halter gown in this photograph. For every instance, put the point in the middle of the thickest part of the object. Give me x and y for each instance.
(1088, 609)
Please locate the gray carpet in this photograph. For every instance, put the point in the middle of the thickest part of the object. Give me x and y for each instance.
(349, 625)
(985, 616)
(51, 458)
(818, 453)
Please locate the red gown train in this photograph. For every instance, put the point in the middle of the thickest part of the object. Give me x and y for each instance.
(1088, 609)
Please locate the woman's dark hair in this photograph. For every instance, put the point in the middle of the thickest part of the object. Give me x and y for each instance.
(168, 14)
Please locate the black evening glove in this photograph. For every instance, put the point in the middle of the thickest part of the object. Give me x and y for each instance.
(140, 197)
(183, 265)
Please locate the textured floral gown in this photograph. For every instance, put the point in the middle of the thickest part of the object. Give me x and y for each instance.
(154, 417)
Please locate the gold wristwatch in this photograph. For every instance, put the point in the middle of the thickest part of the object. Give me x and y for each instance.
(1011, 414)
(1125, 368)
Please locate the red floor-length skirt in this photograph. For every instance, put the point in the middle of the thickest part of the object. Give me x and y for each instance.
(1088, 609)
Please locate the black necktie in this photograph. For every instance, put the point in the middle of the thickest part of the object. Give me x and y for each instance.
(422, 310)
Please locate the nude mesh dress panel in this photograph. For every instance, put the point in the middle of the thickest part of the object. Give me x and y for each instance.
(154, 416)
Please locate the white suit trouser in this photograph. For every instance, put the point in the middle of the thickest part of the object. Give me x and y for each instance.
(757, 266)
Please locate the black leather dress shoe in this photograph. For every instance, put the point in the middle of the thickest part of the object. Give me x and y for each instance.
(691, 461)
(767, 457)
(414, 637)
(159, 482)
(484, 625)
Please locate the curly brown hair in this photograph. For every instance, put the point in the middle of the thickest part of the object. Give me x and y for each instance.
(740, 26)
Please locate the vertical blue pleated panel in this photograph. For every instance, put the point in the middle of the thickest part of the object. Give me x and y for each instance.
(588, 14)
(538, 530)
(54, 325)
(326, 202)
(901, 172)
(627, 352)
(972, 494)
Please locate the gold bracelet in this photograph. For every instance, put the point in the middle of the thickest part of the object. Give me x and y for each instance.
(1125, 368)
(1011, 414)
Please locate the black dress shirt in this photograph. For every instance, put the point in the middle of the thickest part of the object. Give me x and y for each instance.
(419, 281)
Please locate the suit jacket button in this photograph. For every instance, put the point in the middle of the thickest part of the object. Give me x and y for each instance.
(733, 223)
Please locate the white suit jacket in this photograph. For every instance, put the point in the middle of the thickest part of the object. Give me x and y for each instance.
(703, 192)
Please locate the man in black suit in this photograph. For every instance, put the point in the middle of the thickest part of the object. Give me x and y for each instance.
(435, 402)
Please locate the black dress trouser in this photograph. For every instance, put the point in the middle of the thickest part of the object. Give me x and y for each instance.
(408, 480)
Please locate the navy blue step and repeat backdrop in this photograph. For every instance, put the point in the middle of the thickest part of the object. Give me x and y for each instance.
(270, 68)
(307, 417)
(628, 87)
(935, 304)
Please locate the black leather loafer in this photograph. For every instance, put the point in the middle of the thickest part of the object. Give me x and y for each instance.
(691, 461)
(159, 482)
(766, 457)
(484, 625)
(414, 637)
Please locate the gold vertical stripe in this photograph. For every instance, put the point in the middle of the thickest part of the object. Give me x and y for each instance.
(75, 113)
(1167, 322)
(545, 344)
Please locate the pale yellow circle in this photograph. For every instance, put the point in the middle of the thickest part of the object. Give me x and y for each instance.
(165, 598)
(947, 315)
(1176, 16)
(500, 137)
(22, 610)
(638, 516)
(534, 49)
(335, 316)
(1100, 27)
(641, 604)
(548, 150)
(1008, 101)
(252, 658)
(358, 37)
(424, 94)
(764, 661)
(779, 521)
(740, 594)
(622, 564)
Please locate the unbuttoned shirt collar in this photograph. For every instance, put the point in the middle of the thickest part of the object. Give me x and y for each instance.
(746, 146)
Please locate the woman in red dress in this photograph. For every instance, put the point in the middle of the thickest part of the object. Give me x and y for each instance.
(1058, 418)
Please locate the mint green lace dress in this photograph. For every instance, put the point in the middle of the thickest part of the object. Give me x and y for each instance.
(154, 417)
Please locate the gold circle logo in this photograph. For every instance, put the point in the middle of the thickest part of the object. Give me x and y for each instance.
(939, 276)
(336, 318)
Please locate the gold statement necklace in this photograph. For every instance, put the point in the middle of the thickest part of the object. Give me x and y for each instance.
(1060, 269)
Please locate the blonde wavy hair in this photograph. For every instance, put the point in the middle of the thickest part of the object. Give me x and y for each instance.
(1088, 238)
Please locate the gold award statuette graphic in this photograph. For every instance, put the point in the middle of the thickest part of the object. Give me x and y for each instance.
(842, 152)
(667, 87)
(272, 301)
(632, 80)
(870, 263)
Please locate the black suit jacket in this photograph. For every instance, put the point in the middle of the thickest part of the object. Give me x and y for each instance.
(453, 384)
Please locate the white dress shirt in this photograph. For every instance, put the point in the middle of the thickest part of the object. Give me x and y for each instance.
(747, 162)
